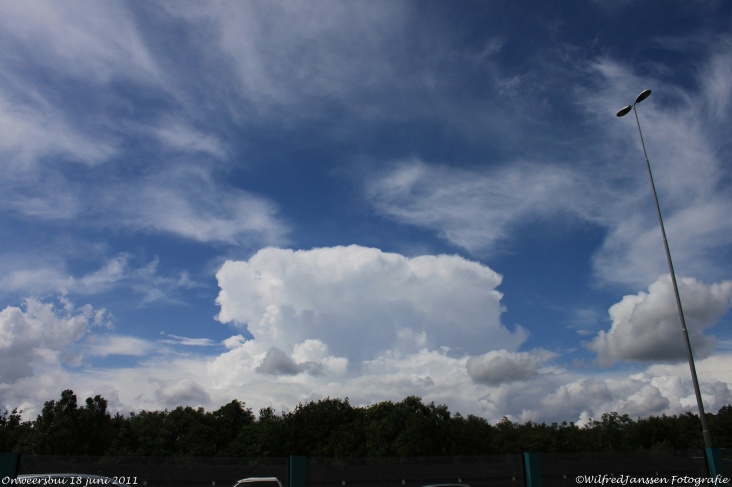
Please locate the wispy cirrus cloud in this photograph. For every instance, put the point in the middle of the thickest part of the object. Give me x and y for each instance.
(298, 57)
(478, 210)
(186, 341)
(115, 344)
(183, 196)
(603, 183)
(120, 271)
(82, 39)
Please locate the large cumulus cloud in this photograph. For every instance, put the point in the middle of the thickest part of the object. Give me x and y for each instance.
(362, 303)
(40, 333)
(646, 326)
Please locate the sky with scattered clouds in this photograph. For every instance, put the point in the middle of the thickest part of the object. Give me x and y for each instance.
(282, 201)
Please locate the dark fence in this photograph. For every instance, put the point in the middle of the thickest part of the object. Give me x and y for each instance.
(530, 469)
(565, 469)
(477, 471)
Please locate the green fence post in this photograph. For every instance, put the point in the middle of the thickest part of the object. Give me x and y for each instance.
(715, 464)
(9, 464)
(297, 470)
(532, 470)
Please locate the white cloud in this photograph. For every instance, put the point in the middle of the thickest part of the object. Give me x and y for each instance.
(38, 277)
(647, 327)
(648, 398)
(576, 397)
(233, 341)
(277, 362)
(106, 345)
(82, 38)
(298, 306)
(246, 360)
(182, 391)
(601, 182)
(430, 374)
(685, 142)
(716, 80)
(40, 334)
(293, 54)
(492, 46)
(81, 41)
(674, 380)
(500, 366)
(362, 302)
(37, 129)
(191, 342)
(315, 357)
(111, 272)
(659, 389)
(476, 209)
(358, 322)
(178, 136)
(550, 393)
(96, 51)
(189, 202)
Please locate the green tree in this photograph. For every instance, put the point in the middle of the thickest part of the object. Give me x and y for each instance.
(94, 427)
(333, 428)
(228, 421)
(471, 436)
(426, 429)
(63, 428)
(612, 432)
(538, 437)
(265, 437)
(407, 428)
(507, 437)
(187, 432)
(122, 438)
(381, 427)
(12, 431)
(568, 438)
(720, 426)
(55, 431)
(326, 428)
(688, 432)
(184, 431)
(146, 433)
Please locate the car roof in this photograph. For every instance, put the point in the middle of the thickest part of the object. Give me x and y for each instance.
(258, 479)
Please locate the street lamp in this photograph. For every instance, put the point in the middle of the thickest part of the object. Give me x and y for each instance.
(705, 429)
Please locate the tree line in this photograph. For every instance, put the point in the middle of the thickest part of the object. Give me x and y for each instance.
(333, 428)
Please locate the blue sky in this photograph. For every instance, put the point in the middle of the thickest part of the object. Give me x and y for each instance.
(283, 201)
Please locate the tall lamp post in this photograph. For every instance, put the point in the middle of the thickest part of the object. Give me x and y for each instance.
(705, 429)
